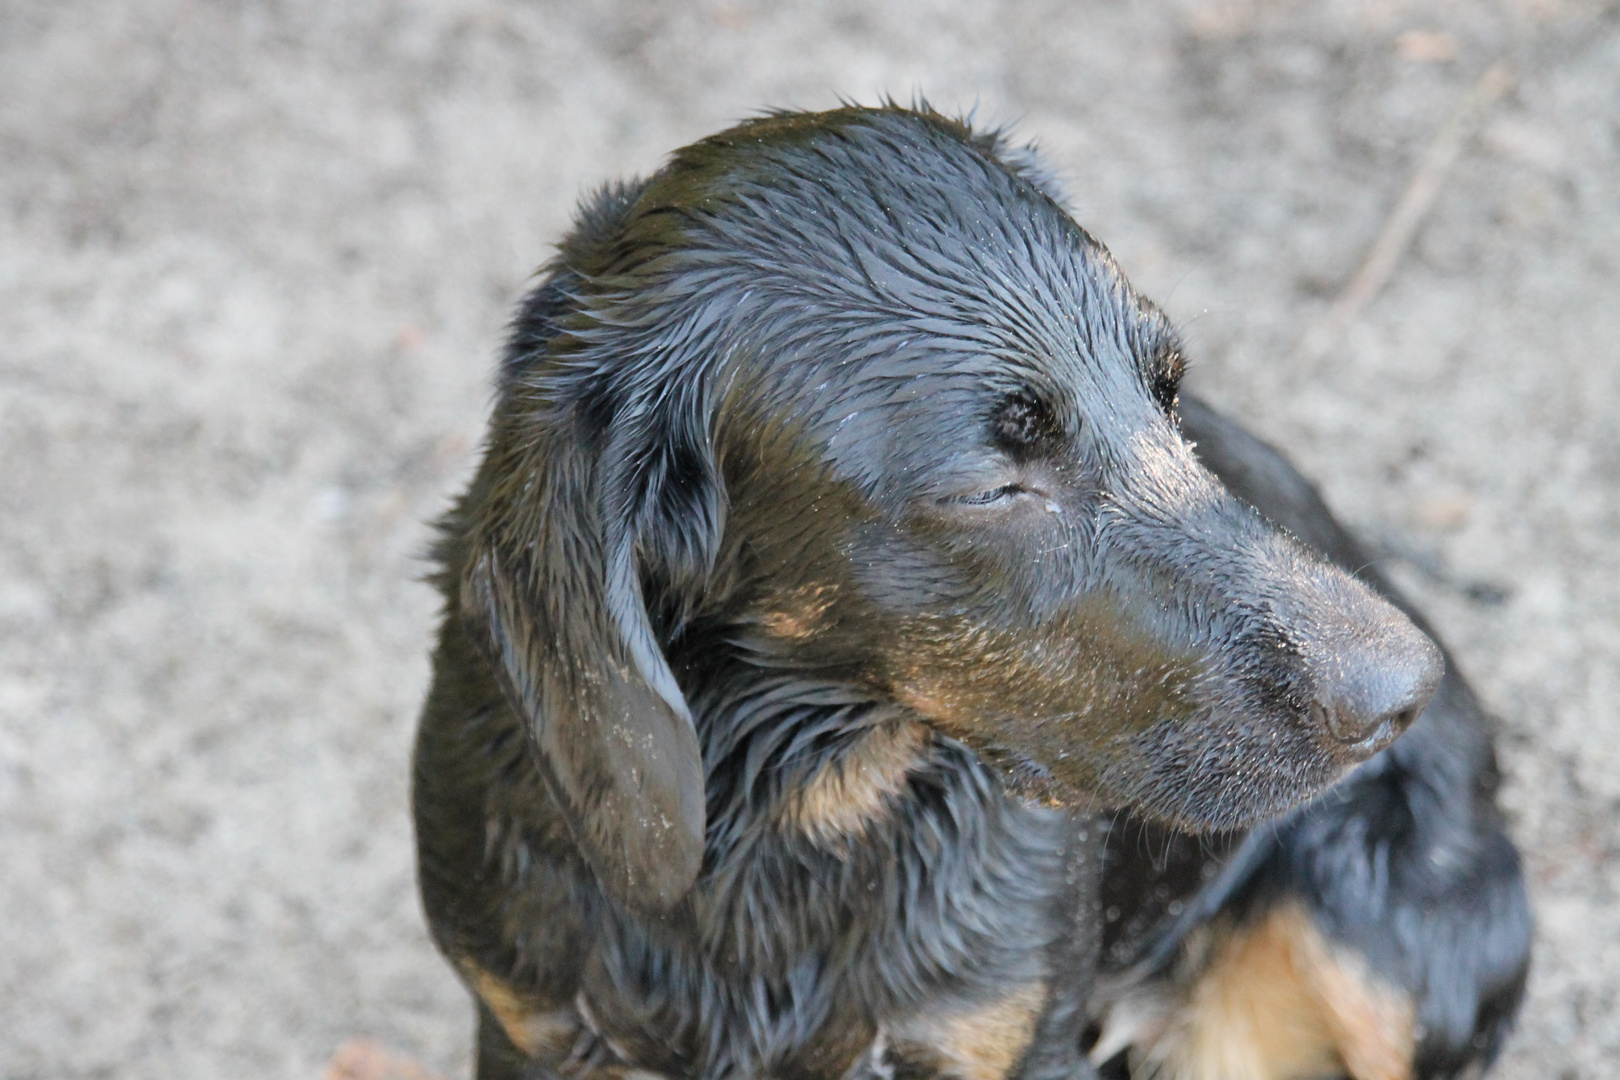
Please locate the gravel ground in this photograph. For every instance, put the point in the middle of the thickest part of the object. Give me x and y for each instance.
(255, 259)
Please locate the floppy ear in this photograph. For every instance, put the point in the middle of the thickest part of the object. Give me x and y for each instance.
(576, 516)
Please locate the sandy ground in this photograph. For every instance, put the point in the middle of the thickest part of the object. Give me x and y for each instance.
(255, 259)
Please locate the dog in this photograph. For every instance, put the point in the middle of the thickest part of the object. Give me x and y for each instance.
(851, 668)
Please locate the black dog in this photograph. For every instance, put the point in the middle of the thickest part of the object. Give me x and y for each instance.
(837, 550)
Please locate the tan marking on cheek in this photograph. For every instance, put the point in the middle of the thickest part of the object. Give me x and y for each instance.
(798, 614)
(984, 1042)
(1276, 1001)
(1082, 671)
(932, 703)
(849, 792)
(537, 1031)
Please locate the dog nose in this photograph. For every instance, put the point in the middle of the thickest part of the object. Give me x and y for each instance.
(1377, 683)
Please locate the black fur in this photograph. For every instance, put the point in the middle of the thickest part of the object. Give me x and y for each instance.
(836, 551)
(1406, 861)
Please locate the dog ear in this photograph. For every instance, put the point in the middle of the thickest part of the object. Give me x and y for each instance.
(575, 518)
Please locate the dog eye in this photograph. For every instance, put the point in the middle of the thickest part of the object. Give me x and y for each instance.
(985, 498)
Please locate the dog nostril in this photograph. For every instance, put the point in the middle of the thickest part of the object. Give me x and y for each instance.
(1340, 722)
(1379, 689)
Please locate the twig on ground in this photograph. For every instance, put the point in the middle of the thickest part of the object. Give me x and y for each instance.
(1414, 205)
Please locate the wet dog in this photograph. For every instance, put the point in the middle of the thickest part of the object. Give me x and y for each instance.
(837, 554)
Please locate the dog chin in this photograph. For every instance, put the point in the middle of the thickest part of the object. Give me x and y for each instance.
(1217, 798)
(1219, 778)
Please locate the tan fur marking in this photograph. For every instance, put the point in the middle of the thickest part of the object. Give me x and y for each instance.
(980, 1043)
(1277, 1001)
(846, 794)
(538, 1032)
(798, 613)
(1375, 1026)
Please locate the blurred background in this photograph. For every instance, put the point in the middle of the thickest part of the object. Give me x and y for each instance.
(255, 262)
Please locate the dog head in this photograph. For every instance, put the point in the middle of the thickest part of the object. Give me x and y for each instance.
(850, 397)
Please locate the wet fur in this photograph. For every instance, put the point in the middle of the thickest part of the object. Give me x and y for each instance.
(1405, 865)
(764, 727)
